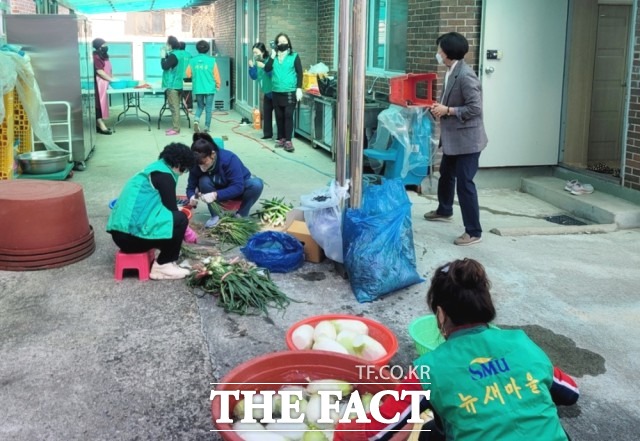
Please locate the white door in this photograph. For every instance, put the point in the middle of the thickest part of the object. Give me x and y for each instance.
(522, 90)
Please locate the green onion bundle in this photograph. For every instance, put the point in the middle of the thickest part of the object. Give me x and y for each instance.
(274, 211)
(240, 286)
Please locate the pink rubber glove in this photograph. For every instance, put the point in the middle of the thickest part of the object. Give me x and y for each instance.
(190, 236)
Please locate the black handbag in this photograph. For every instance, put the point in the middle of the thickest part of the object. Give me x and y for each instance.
(328, 86)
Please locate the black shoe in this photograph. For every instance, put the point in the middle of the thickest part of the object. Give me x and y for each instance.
(267, 137)
(103, 132)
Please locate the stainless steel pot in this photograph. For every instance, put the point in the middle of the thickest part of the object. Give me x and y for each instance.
(43, 162)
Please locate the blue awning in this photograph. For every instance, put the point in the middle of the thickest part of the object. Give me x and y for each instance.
(107, 6)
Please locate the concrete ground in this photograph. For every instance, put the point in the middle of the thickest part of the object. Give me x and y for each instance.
(85, 357)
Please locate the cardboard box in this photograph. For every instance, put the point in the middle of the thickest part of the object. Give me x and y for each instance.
(296, 226)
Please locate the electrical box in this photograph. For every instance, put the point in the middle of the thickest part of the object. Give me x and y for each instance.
(494, 54)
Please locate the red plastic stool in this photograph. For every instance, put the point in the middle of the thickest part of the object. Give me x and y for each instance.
(231, 205)
(138, 261)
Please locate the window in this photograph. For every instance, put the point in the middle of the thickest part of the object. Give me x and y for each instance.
(386, 49)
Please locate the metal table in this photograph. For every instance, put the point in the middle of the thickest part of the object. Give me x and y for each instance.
(131, 101)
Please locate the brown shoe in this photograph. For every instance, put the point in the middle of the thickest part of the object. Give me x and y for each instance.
(466, 240)
(288, 147)
(434, 216)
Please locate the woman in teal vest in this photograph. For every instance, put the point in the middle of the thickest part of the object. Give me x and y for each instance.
(256, 71)
(482, 383)
(206, 82)
(172, 61)
(286, 80)
(146, 214)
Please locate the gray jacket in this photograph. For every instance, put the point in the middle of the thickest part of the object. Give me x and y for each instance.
(464, 132)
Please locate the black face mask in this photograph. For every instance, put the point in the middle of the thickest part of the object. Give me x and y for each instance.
(103, 51)
(283, 47)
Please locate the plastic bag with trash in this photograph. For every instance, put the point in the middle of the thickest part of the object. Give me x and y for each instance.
(319, 68)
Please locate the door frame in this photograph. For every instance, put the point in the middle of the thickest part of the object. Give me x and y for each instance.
(247, 32)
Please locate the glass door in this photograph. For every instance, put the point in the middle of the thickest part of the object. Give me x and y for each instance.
(247, 35)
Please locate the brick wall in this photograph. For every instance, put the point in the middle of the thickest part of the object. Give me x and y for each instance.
(224, 26)
(326, 20)
(632, 159)
(23, 6)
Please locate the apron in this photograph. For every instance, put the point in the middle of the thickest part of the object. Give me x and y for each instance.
(103, 85)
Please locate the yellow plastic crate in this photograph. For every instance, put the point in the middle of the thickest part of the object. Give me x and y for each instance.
(21, 125)
(309, 80)
(7, 137)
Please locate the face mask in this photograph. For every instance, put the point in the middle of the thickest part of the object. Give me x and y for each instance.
(257, 58)
(204, 168)
(283, 47)
(439, 59)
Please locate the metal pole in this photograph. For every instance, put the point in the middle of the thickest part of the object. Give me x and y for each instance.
(357, 99)
(342, 115)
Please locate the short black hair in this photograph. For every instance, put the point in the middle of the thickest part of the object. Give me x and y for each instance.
(178, 155)
(203, 145)
(173, 42)
(262, 48)
(202, 47)
(97, 43)
(461, 288)
(282, 34)
(183, 45)
(454, 45)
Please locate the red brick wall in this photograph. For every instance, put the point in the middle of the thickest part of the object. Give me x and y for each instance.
(326, 20)
(225, 34)
(23, 6)
(632, 159)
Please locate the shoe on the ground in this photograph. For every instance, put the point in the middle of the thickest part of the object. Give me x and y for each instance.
(196, 127)
(288, 147)
(267, 137)
(172, 132)
(580, 188)
(434, 216)
(212, 222)
(280, 143)
(465, 240)
(569, 184)
(168, 271)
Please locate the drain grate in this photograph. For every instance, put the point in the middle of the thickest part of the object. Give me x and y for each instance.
(563, 219)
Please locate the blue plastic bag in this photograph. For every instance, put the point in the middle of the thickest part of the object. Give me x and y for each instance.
(275, 251)
(379, 255)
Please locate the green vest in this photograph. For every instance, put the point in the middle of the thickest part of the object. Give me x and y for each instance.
(139, 210)
(492, 384)
(173, 78)
(284, 77)
(264, 79)
(204, 82)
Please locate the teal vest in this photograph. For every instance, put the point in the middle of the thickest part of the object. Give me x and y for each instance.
(264, 79)
(202, 66)
(284, 77)
(492, 384)
(173, 78)
(139, 210)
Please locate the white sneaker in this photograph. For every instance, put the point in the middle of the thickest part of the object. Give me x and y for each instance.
(168, 271)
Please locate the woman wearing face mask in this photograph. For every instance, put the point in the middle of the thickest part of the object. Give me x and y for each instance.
(485, 383)
(219, 176)
(257, 72)
(102, 76)
(146, 215)
(286, 79)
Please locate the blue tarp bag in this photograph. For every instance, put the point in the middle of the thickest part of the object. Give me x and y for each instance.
(379, 255)
(275, 251)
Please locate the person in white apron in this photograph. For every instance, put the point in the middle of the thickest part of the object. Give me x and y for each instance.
(102, 73)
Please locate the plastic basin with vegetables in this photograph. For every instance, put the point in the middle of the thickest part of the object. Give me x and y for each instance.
(376, 331)
(272, 371)
(425, 334)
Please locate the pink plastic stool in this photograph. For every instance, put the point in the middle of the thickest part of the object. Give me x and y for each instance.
(231, 205)
(138, 261)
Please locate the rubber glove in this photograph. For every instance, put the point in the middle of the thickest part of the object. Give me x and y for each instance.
(209, 197)
(163, 52)
(298, 94)
(273, 54)
(190, 236)
(193, 202)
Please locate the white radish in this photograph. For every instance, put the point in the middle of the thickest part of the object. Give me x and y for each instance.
(303, 337)
(356, 326)
(326, 344)
(369, 348)
(292, 431)
(313, 413)
(257, 414)
(345, 338)
(316, 386)
(264, 435)
(324, 328)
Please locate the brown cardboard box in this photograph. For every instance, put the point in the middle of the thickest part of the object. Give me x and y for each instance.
(296, 226)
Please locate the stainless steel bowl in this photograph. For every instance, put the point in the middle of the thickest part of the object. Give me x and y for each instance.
(43, 162)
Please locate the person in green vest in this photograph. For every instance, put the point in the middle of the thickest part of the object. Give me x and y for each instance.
(146, 214)
(286, 78)
(172, 60)
(257, 63)
(482, 383)
(205, 83)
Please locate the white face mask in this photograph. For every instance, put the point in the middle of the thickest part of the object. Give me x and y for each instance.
(439, 59)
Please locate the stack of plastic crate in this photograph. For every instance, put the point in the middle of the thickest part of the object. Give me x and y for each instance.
(21, 125)
(7, 137)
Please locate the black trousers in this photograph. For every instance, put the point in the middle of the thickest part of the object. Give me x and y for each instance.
(267, 117)
(169, 248)
(284, 103)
